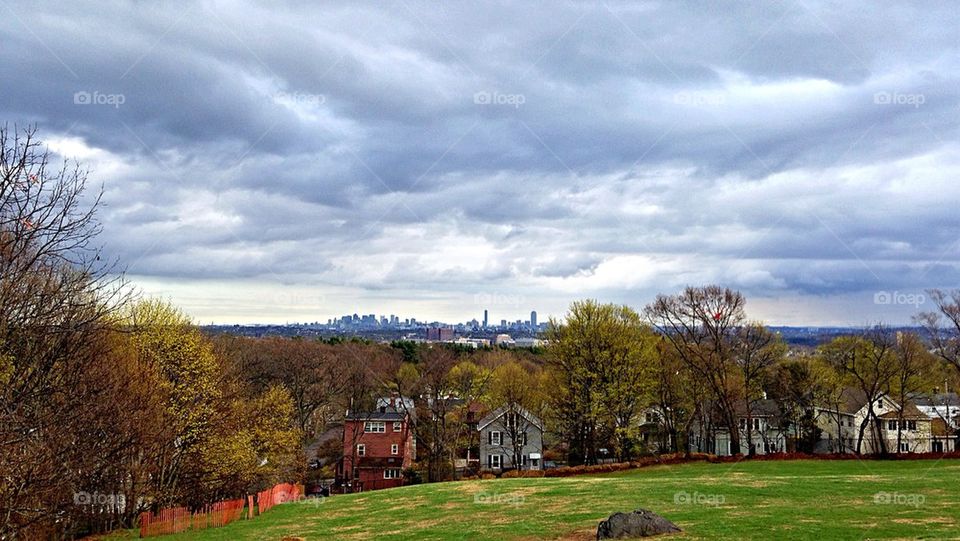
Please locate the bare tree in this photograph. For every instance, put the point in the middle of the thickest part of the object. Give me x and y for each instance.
(703, 326)
(757, 350)
(911, 373)
(56, 297)
(865, 362)
(943, 325)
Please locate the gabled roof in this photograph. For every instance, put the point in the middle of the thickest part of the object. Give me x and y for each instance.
(759, 408)
(498, 413)
(381, 414)
(910, 411)
(942, 399)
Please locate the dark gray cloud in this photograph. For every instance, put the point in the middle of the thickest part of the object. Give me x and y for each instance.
(430, 153)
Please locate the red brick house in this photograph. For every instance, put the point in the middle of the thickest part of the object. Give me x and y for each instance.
(377, 446)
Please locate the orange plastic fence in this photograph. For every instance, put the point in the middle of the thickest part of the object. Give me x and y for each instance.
(283, 492)
(179, 519)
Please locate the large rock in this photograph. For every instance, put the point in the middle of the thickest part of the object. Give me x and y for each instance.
(640, 523)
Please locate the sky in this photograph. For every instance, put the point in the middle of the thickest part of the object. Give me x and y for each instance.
(296, 161)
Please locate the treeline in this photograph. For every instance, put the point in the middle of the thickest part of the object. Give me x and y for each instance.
(698, 363)
(443, 385)
(110, 405)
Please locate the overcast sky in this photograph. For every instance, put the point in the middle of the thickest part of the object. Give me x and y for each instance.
(294, 161)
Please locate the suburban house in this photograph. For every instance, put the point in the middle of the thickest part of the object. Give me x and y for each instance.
(377, 446)
(943, 406)
(898, 429)
(655, 436)
(762, 426)
(510, 438)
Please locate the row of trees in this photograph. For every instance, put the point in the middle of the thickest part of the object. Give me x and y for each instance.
(109, 404)
(696, 359)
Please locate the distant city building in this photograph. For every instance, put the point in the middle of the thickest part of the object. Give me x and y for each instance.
(533, 318)
(472, 342)
(485, 320)
(439, 334)
(503, 340)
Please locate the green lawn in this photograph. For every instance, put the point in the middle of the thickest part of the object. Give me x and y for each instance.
(749, 500)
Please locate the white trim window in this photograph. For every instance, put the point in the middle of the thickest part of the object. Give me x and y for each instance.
(361, 449)
(397, 426)
(496, 438)
(392, 473)
(378, 427)
(394, 449)
(496, 461)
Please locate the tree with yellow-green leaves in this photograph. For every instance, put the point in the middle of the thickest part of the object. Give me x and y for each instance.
(602, 357)
(222, 440)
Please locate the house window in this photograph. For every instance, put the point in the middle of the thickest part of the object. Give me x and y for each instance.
(523, 438)
(756, 424)
(394, 449)
(495, 438)
(911, 425)
(496, 461)
(743, 424)
(361, 449)
(397, 426)
(891, 425)
(904, 447)
(392, 473)
(375, 426)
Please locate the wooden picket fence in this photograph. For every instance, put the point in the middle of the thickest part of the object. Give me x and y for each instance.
(180, 519)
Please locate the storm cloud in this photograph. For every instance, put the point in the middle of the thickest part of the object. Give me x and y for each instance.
(285, 161)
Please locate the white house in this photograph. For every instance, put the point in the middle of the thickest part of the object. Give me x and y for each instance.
(898, 429)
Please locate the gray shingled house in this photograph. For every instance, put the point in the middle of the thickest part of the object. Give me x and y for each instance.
(510, 438)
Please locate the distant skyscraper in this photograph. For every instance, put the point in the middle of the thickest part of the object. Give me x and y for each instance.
(485, 320)
(533, 318)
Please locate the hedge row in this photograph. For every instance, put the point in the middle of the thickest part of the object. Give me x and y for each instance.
(679, 458)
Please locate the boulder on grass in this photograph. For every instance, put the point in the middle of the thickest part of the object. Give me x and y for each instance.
(640, 523)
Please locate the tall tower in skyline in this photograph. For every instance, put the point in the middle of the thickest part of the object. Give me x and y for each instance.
(485, 321)
(533, 318)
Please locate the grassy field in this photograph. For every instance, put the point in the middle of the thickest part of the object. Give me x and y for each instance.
(748, 500)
